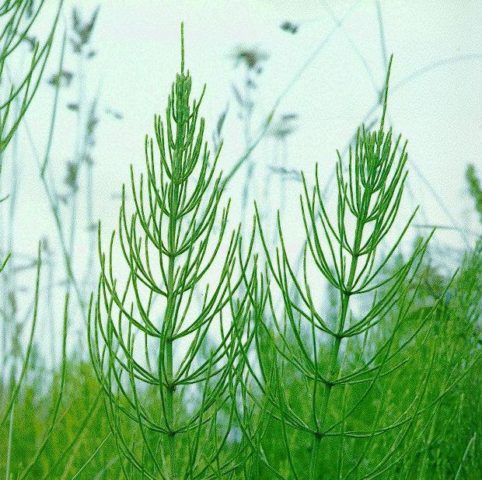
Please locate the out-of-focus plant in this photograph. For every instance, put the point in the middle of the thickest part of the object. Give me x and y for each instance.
(163, 361)
(475, 188)
(79, 168)
(17, 18)
(16, 94)
(18, 85)
(252, 61)
(279, 168)
(35, 416)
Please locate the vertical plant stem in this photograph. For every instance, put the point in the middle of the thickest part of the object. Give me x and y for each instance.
(9, 446)
(345, 295)
(247, 139)
(171, 298)
(466, 453)
(77, 163)
(169, 320)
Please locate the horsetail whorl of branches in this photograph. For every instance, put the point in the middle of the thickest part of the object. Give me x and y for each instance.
(165, 344)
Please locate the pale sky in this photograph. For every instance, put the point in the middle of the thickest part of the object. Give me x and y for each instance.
(439, 112)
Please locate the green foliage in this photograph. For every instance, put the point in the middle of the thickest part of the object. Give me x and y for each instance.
(80, 429)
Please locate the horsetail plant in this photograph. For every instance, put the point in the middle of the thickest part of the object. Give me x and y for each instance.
(324, 379)
(164, 344)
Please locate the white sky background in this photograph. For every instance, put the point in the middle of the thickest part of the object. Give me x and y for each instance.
(439, 112)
